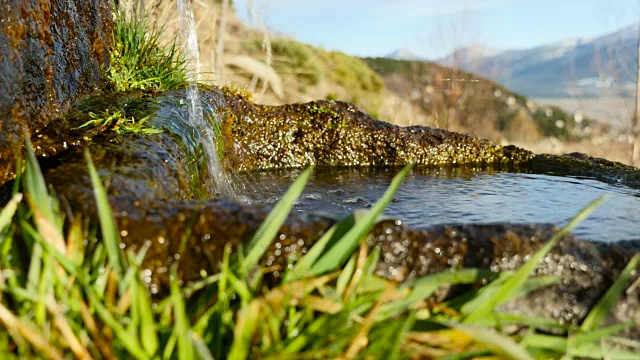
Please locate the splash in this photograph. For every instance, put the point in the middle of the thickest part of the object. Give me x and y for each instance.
(218, 180)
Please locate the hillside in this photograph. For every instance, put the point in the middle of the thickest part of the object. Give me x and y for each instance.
(277, 69)
(460, 100)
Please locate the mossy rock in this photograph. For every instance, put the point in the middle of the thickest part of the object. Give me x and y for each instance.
(153, 194)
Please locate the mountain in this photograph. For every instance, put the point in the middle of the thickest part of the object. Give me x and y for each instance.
(468, 55)
(403, 54)
(584, 67)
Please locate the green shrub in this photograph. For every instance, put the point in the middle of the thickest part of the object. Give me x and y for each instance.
(298, 59)
(350, 72)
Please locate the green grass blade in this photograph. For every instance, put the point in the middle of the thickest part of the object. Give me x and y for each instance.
(131, 346)
(531, 322)
(345, 276)
(202, 349)
(425, 286)
(583, 342)
(339, 253)
(185, 346)
(611, 348)
(467, 355)
(556, 344)
(500, 344)
(148, 334)
(133, 325)
(485, 293)
(386, 339)
(34, 183)
(604, 305)
(8, 211)
(303, 266)
(485, 310)
(35, 267)
(133, 269)
(271, 225)
(67, 264)
(244, 332)
(110, 235)
(461, 276)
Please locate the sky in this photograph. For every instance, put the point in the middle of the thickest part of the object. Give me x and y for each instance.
(434, 28)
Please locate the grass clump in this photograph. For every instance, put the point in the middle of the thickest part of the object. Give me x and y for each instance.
(72, 295)
(119, 123)
(139, 60)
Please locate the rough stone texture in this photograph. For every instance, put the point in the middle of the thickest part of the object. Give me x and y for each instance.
(51, 53)
(338, 134)
(577, 164)
(153, 185)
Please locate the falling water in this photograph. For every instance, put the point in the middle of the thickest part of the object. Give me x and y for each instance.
(218, 180)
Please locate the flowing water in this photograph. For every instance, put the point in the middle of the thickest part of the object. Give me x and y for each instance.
(428, 197)
(464, 195)
(218, 181)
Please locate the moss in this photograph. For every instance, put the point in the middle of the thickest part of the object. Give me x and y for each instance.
(337, 133)
(319, 109)
(235, 90)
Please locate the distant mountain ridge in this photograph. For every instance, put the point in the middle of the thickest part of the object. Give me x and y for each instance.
(403, 54)
(603, 65)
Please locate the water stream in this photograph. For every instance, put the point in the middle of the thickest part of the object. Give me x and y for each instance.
(218, 181)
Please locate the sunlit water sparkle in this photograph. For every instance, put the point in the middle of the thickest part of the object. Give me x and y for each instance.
(463, 196)
(218, 181)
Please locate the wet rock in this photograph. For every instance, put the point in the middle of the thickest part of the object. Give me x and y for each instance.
(51, 54)
(586, 269)
(338, 134)
(577, 164)
(154, 185)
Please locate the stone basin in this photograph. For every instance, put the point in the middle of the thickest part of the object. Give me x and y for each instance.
(156, 190)
(463, 195)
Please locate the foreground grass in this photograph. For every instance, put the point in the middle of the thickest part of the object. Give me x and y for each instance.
(63, 294)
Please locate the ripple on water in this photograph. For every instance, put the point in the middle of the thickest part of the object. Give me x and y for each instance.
(431, 197)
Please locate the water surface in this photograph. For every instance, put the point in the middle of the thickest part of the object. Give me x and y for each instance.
(461, 195)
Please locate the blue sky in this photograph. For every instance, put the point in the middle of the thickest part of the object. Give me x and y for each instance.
(433, 28)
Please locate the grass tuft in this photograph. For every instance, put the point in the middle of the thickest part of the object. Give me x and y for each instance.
(89, 300)
(119, 123)
(140, 61)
